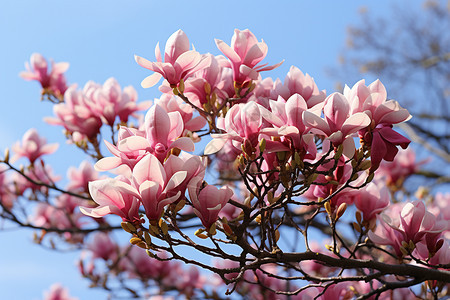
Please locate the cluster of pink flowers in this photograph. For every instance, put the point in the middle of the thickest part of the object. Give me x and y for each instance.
(83, 112)
(52, 80)
(276, 127)
(136, 264)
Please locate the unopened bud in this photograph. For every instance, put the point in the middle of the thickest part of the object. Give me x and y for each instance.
(370, 177)
(341, 210)
(135, 240)
(212, 229)
(6, 159)
(262, 145)
(327, 206)
(181, 86)
(365, 165)
(339, 152)
(298, 160)
(199, 233)
(277, 235)
(179, 206)
(258, 219)
(147, 238)
(142, 245)
(281, 155)
(354, 177)
(125, 227)
(175, 91)
(357, 227)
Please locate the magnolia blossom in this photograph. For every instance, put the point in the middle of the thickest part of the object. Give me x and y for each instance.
(296, 82)
(243, 122)
(113, 196)
(102, 246)
(32, 147)
(108, 101)
(179, 62)
(372, 200)
(58, 292)
(208, 201)
(413, 225)
(383, 140)
(52, 79)
(244, 54)
(154, 186)
(396, 171)
(338, 124)
(163, 132)
(76, 116)
(79, 178)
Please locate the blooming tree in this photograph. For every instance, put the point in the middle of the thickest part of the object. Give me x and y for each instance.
(278, 189)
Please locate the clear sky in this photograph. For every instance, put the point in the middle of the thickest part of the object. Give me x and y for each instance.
(99, 39)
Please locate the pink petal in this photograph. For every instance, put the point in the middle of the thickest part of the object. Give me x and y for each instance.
(227, 51)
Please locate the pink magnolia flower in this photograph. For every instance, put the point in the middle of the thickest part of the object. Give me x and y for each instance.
(372, 200)
(396, 171)
(208, 201)
(216, 79)
(244, 54)
(338, 124)
(114, 196)
(383, 113)
(53, 79)
(58, 292)
(172, 104)
(79, 178)
(296, 82)
(32, 147)
(163, 132)
(154, 186)
(123, 156)
(243, 122)
(102, 246)
(414, 223)
(76, 115)
(7, 194)
(384, 141)
(179, 62)
(108, 101)
(286, 117)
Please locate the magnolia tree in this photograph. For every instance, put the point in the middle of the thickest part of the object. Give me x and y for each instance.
(232, 185)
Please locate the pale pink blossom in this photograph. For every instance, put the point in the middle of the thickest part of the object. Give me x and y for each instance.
(79, 178)
(163, 132)
(58, 292)
(242, 123)
(33, 146)
(113, 196)
(102, 246)
(128, 157)
(339, 125)
(173, 103)
(244, 54)
(7, 193)
(296, 82)
(403, 165)
(108, 101)
(154, 186)
(383, 113)
(179, 62)
(412, 226)
(76, 116)
(52, 79)
(208, 201)
(372, 199)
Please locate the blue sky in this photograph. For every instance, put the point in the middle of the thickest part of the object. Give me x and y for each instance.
(99, 39)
